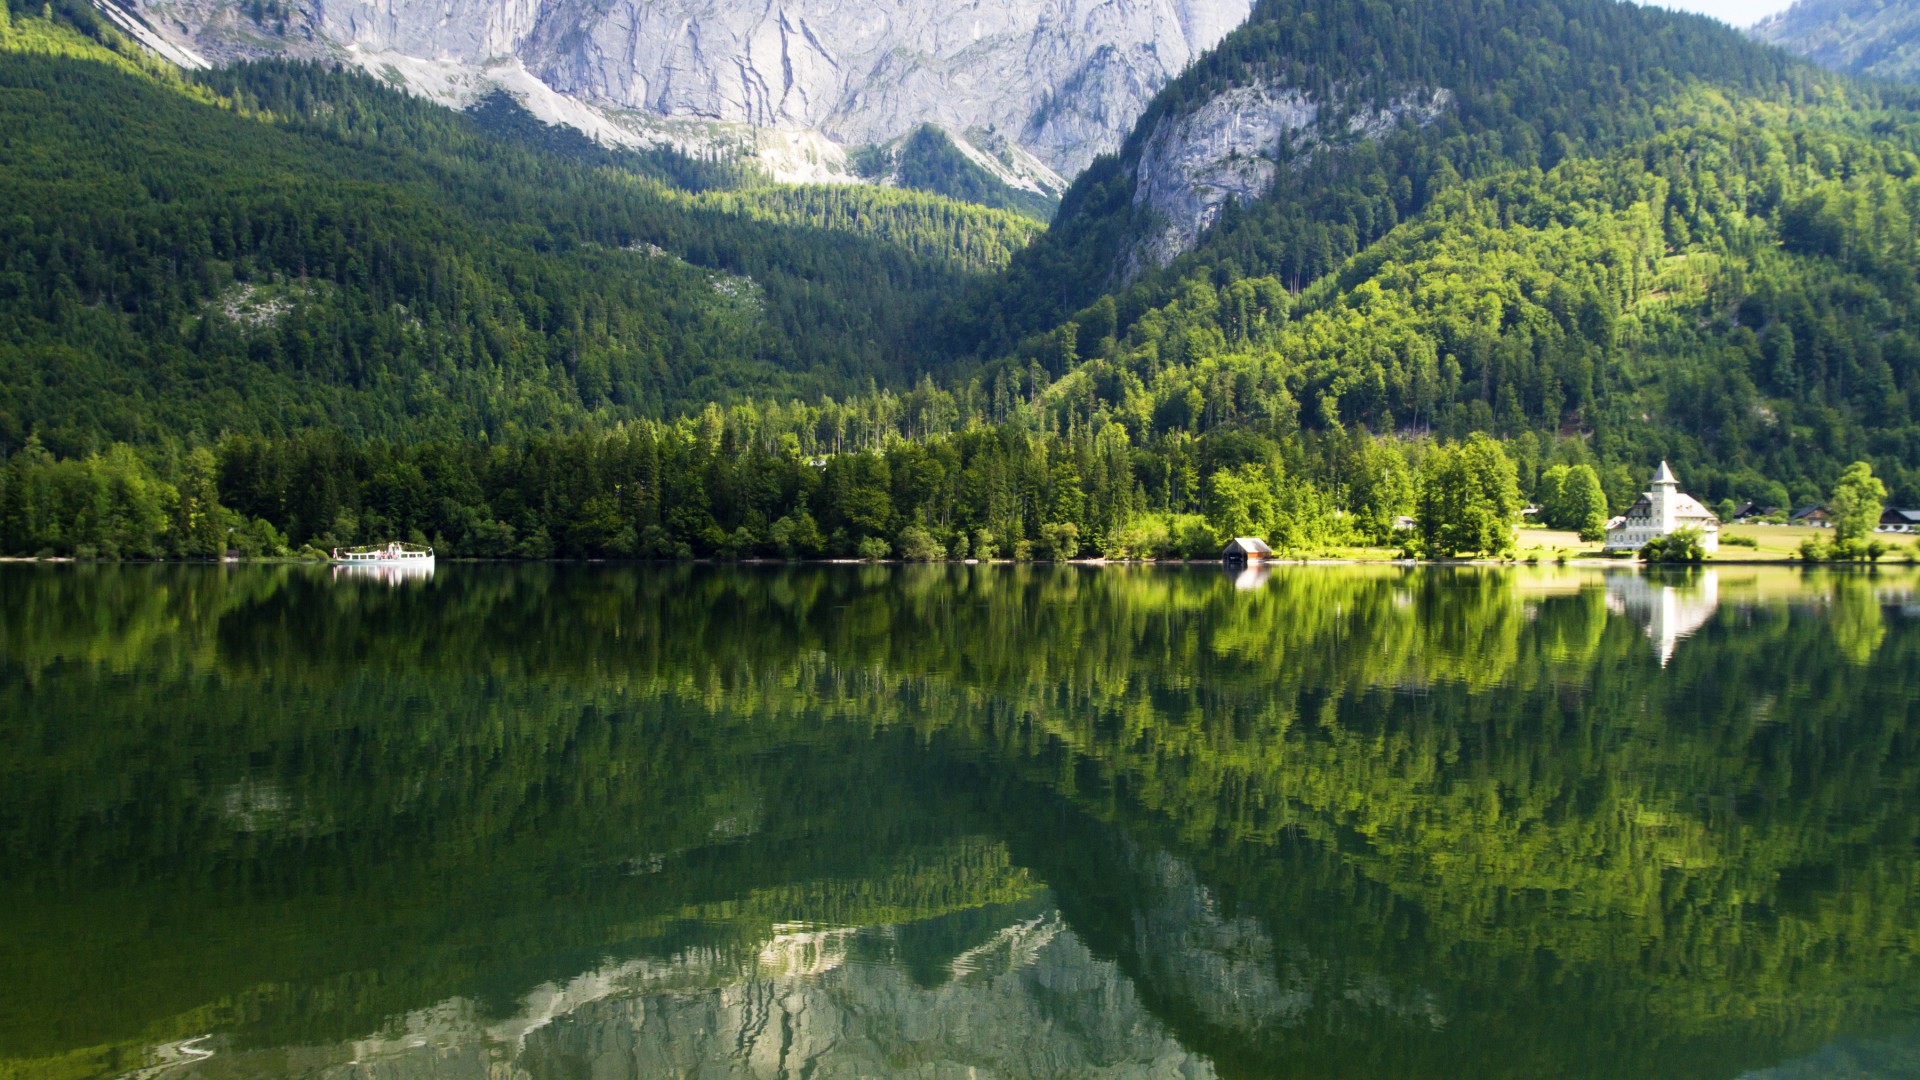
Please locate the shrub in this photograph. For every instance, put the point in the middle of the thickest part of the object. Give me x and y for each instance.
(1857, 549)
(873, 549)
(1060, 541)
(1679, 546)
(918, 545)
(1192, 539)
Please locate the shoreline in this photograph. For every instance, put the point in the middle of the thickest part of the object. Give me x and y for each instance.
(1584, 562)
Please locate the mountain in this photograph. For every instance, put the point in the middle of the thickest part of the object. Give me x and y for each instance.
(1602, 234)
(1604, 229)
(280, 247)
(1876, 38)
(1324, 123)
(795, 85)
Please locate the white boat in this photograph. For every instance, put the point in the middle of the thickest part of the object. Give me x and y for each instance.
(394, 554)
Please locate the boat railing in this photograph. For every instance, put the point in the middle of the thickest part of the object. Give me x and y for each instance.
(380, 553)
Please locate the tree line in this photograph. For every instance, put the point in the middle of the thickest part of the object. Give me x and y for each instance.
(732, 484)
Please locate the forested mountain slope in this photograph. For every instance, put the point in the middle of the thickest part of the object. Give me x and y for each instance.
(1601, 234)
(1323, 123)
(1878, 38)
(280, 247)
(1575, 221)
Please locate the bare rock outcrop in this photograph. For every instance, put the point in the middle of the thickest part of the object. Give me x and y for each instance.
(1063, 79)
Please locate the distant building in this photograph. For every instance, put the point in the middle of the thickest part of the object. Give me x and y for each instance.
(1747, 511)
(1246, 549)
(1662, 510)
(1811, 515)
(1900, 521)
(1403, 523)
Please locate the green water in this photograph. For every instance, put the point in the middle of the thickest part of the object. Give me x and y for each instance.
(604, 822)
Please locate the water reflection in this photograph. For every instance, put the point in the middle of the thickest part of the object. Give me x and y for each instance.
(387, 573)
(1373, 821)
(1040, 1002)
(1669, 607)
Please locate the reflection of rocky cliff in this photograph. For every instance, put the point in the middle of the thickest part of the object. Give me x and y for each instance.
(1029, 1001)
(1668, 610)
(1852, 1059)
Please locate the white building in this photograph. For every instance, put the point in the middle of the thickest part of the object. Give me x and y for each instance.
(1662, 510)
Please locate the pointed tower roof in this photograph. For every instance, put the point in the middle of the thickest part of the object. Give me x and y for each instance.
(1665, 476)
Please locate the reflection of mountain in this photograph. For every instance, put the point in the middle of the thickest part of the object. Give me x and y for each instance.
(1668, 610)
(1852, 1059)
(1031, 1001)
(1378, 821)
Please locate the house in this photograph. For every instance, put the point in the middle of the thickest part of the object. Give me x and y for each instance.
(1246, 549)
(1899, 521)
(1403, 523)
(1815, 515)
(1662, 510)
(1747, 511)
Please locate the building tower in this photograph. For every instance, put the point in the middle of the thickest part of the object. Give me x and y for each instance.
(1661, 497)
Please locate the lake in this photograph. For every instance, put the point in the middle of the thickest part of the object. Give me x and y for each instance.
(599, 821)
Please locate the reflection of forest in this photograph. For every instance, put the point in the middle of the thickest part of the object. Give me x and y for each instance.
(1345, 822)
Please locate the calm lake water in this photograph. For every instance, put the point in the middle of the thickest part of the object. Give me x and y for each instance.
(697, 821)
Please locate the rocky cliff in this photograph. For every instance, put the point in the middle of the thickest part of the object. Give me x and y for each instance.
(1063, 79)
(1876, 38)
(1230, 148)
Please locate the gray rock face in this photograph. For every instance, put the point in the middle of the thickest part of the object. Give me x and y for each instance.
(1065, 79)
(1031, 1002)
(1231, 148)
(1877, 38)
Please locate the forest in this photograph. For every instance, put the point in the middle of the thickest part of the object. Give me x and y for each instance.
(1636, 237)
(278, 248)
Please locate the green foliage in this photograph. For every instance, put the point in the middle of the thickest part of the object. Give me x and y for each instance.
(1855, 549)
(1531, 84)
(1059, 541)
(1631, 235)
(1570, 497)
(916, 544)
(1858, 549)
(1680, 546)
(1856, 504)
(1860, 37)
(1468, 499)
(926, 159)
(467, 319)
(115, 506)
(1240, 502)
(873, 549)
(328, 253)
